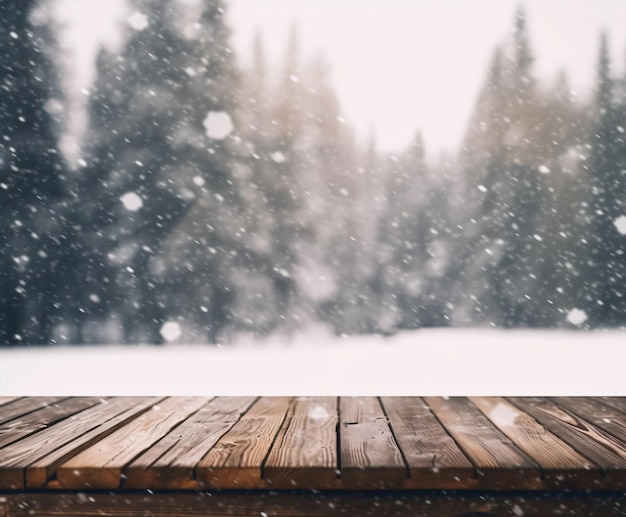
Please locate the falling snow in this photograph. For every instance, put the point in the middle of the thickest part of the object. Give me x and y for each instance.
(176, 182)
(170, 331)
(138, 21)
(620, 224)
(318, 413)
(131, 201)
(278, 157)
(577, 316)
(218, 125)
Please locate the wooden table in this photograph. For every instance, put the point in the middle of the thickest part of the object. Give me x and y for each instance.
(312, 456)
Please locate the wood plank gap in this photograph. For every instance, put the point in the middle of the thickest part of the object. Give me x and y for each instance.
(195, 469)
(235, 460)
(459, 445)
(5, 401)
(561, 466)
(371, 456)
(616, 403)
(520, 451)
(601, 469)
(395, 439)
(284, 425)
(616, 427)
(168, 449)
(170, 463)
(588, 440)
(101, 466)
(501, 463)
(45, 468)
(31, 408)
(338, 433)
(35, 422)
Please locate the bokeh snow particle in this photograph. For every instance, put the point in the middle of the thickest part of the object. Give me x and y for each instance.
(577, 316)
(278, 157)
(170, 331)
(620, 224)
(543, 169)
(198, 181)
(131, 201)
(218, 124)
(138, 21)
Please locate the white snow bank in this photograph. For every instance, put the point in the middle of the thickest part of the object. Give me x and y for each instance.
(423, 362)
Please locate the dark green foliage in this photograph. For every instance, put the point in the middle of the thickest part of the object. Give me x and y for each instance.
(606, 282)
(148, 139)
(32, 263)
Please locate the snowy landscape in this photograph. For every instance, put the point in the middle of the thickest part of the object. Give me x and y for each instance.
(425, 362)
(191, 177)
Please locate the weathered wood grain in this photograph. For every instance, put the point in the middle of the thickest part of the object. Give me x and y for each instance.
(618, 403)
(499, 462)
(170, 463)
(100, 466)
(46, 436)
(284, 443)
(31, 423)
(24, 406)
(236, 460)
(433, 457)
(370, 456)
(562, 467)
(594, 411)
(6, 400)
(592, 442)
(40, 454)
(305, 453)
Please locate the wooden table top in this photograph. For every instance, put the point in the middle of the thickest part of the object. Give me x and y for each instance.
(346, 443)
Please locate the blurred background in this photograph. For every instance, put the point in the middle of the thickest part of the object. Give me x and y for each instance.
(207, 171)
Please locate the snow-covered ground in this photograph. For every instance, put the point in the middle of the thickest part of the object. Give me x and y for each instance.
(422, 362)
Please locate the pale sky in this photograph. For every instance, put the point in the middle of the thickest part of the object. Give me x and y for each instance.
(400, 65)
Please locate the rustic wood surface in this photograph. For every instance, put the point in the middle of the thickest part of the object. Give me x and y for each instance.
(562, 466)
(305, 452)
(236, 461)
(499, 462)
(312, 443)
(605, 450)
(370, 456)
(432, 456)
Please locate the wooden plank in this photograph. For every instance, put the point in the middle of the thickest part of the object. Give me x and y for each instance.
(170, 463)
(594, 411)
(6, 400)
(617, 403)
(39, 472)
(305, 454)
(370, 457)
(24, 406)
(435, 460)
(592, 442)
(500, 464)
(562, 466)
(31, 423)
(236, 460)
(42, 452)
(100, 466)
(307, 504)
